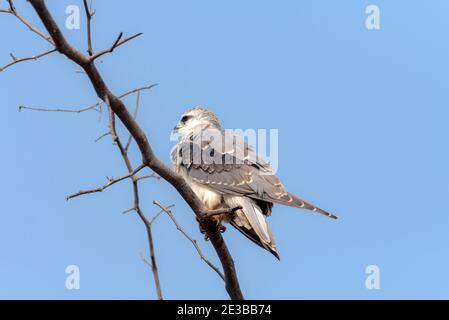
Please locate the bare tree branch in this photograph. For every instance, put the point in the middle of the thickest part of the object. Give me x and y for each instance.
(107, 185)
(147, 87)
(159, 213)
(136, 207)
(154, 268)
(148, 156)
(96, 106)
(136, 109)
(193, 241)
(14, 12)
(148, 263)
(117, 43)
(34, 57)
(112, 131)
(87, 9)
(102, 136)
(150, 224)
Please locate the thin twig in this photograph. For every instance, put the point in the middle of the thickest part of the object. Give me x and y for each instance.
(193, 241)
(93, 107)
(150, 222)
(136, 109)
(158, 214)
(102, 136)
(154, 268)
(144, 260)
(117, 43)
(107, 185)
(88, 23)
(147, 87)
(14, 12)
(33, 57)
(124, 154)
(96, 106)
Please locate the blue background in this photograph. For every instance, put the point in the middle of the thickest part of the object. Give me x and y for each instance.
(363, 126)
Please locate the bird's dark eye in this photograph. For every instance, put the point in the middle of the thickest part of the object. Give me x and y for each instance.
(184, 119)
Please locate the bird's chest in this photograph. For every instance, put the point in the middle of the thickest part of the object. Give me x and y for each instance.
(210, 198)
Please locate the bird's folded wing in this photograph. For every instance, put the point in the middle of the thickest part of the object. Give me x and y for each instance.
(234, 169)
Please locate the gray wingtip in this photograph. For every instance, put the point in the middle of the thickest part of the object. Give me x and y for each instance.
(308, 206)
(327, 214)
(333, 216)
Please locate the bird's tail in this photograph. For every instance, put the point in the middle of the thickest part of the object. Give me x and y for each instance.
(251, 235)
(250, 221)
(299, 203)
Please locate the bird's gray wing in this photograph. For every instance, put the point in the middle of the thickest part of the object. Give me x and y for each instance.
(233, 169)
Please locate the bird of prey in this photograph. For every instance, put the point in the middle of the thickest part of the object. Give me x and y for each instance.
(224, 171)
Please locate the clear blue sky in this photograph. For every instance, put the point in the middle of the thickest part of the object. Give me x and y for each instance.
(363, 126)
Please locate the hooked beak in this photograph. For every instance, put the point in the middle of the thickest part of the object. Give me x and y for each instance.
(176, 128)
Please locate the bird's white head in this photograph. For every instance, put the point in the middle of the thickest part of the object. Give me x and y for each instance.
(197, 118)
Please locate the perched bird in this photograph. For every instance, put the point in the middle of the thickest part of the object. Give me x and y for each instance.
(224, 171)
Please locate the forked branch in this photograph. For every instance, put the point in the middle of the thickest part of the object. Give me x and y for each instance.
(95, 107)
(107, 185)
(117, 43)
(12, 10)
(33, 57)
(193, 241)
